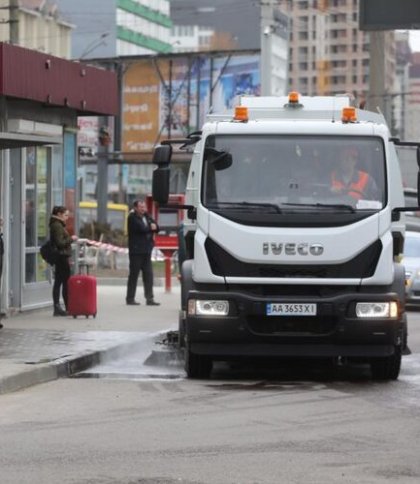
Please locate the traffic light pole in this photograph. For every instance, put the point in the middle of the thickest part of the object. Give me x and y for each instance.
(102, 183)
(266, 41)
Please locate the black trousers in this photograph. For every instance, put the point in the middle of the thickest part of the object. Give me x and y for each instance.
(61, 277)
(143, 263)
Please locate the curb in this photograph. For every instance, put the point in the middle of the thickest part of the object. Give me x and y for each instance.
(28, 378)
(61, 367)
(45, 372)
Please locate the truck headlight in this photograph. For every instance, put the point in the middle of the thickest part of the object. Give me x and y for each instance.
(208, 307)
(377, 309)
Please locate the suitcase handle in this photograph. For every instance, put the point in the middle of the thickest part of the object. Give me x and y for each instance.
(83, 265)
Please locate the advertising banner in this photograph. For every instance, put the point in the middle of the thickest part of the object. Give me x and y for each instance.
(169, 97)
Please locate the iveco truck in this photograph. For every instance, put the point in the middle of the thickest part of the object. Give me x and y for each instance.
(293, 231)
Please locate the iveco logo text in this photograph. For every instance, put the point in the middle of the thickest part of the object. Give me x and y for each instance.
(301, 248)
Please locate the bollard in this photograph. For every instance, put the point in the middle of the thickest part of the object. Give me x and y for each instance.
(168, 253)
(168, 262)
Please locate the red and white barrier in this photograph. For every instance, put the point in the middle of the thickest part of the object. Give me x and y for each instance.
(110, 248)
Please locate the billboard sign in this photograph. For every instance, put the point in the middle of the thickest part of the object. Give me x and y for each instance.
(169, 97)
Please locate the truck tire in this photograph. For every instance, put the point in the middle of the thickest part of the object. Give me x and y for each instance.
(197, 366)
(181, 329)
(387, 368)
(187, 282)
(405, 350)
(398, 285)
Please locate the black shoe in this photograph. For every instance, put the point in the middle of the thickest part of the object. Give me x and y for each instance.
(152, 303)
(133, 303)
(59, 311)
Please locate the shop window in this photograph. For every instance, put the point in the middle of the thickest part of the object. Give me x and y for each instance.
(37, 210)
(42, 195)
(30, 197)
(30, 268)
(57, 176)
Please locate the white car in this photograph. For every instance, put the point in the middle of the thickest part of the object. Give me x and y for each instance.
(411, 261)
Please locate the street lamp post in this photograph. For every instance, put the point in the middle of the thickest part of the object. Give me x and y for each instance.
(94, 45)
(266, 47)
(102, 181)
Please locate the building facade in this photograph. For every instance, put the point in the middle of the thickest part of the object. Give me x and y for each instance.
(328, 52)
(37, 25)
(191, 38)
(41, 98)
(238, 20)
(412, 120)
(401, 88)
(114, 28)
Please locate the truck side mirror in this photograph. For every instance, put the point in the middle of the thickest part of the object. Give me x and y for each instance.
(160, 185)
(162, 155)
(161, 176)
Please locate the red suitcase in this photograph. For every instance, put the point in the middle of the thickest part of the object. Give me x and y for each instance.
(82, 298)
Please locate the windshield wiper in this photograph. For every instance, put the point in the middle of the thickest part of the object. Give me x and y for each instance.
(252, 205)
(341, 206)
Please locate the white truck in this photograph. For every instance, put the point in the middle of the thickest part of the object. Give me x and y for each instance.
(287, 253)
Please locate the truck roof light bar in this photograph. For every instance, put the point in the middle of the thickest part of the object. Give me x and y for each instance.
(293, 100)
(293, 97)
(241, 114)
(348, 115)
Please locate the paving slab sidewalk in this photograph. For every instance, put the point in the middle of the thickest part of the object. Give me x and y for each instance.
(36, 347)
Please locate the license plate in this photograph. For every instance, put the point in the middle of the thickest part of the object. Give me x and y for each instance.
(291, 309)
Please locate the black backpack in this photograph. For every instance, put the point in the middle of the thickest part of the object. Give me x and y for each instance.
(49, 252)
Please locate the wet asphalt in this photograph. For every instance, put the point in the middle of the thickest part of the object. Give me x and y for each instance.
(36, 347)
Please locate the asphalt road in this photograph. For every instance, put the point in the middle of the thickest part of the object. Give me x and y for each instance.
(242, 426)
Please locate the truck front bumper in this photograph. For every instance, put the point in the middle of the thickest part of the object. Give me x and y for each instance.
(335, 330)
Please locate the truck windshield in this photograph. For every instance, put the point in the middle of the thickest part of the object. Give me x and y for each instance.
(293, 173)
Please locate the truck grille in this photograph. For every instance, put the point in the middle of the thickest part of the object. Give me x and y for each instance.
(361, 266)
(272, 325)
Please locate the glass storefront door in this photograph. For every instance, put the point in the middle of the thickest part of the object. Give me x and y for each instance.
(34, 183)
(37, 202)
(42, 189)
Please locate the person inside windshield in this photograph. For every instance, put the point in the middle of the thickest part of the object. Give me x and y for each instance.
(348, 180)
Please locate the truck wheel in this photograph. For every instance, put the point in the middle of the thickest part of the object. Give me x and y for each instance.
(387, 368)
(405, 350)
(187, 283)
(197, 366)
(181, 330)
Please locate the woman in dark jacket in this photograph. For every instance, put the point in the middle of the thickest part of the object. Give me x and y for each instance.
(62, 240)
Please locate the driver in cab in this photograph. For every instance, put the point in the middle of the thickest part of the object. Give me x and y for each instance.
(348, 180)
